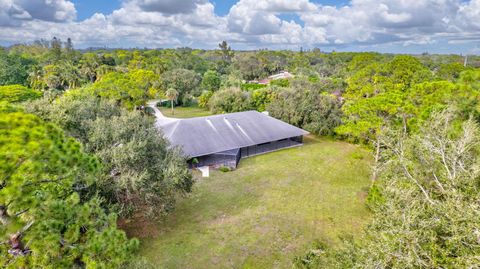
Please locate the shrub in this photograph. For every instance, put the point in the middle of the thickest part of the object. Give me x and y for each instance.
(204, 98)
(188, 100)
(374, 197)
(357, 155)
(252, 86)
(280, 82)
(225, 169)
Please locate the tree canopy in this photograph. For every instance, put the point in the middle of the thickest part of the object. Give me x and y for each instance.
(44, 219)
(17, 93)
(139, 172)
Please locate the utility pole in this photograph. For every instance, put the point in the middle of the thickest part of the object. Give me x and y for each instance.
(466, 60)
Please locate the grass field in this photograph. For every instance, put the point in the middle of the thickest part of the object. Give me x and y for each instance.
(266, 212)
(185, 112)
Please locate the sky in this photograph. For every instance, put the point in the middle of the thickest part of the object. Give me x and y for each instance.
(394, 26)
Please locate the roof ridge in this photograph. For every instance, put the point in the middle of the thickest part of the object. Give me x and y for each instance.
(175, 126)
(219, 115)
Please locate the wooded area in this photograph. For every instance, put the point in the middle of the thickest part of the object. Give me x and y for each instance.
(78, 149)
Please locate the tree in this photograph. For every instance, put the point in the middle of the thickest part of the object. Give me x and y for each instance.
(249, 66)
(17, 93)
(69, 75)
(183, 81)
(311, 109)
(361, 60)
(140, 174)
(43, 214)
(426, 219)
(189, 59)
(14, 68)
(211, 81)
(52, 77)
(227, 53)
(121, 88)
(450, 71)
(88, 66)
(147, 80)
(229, 100)
(470, 78)
(400, 73)
(172, 95)
(261, 98)
(70, 53)
(55, 53)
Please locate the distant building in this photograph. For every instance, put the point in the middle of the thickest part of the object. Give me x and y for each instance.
(280, 75)
(222, 140)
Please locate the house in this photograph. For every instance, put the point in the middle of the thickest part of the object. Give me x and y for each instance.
(222, 140)
(280, 75)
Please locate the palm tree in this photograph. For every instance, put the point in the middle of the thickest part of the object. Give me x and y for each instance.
(172, 95)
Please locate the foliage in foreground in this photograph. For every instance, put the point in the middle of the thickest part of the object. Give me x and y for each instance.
(17, 93)
(429, 214)
(140, 174)
(45, 221)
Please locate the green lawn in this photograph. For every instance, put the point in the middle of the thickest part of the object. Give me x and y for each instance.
(266, 212)
(185, 112)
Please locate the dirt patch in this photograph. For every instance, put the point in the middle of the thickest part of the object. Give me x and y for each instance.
(139, 226)
(362, 195)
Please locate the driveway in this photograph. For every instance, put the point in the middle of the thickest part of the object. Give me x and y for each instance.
(161, 119)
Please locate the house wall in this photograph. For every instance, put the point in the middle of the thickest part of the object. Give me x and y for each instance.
(217, 160)
(270, 146)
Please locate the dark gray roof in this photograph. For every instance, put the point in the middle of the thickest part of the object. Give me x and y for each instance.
(206, 135)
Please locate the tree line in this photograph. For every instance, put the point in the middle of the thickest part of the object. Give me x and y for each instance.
(78, 151)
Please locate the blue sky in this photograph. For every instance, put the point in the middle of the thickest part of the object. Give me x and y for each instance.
(407, 26)
(86, 8)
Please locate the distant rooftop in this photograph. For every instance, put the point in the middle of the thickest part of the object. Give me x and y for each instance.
(206, 135)
(281, 75)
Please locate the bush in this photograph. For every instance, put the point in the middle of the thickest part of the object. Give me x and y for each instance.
(252, 86)
(357, 155)
(280, 82)
(225, 169)
(204, 98)
(188, 100)
(374, 197)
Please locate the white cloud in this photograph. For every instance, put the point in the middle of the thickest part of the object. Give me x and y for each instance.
(49, 10)
(469, 15)
(168, 6)
(249, 23)
(15, 12)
